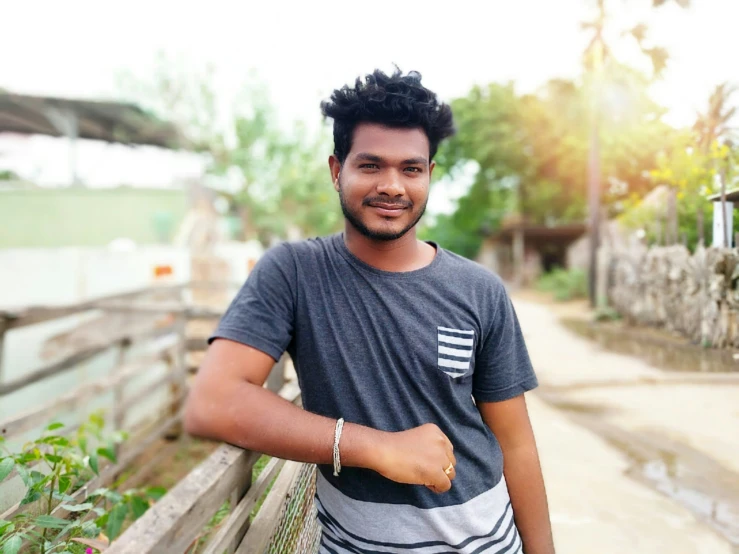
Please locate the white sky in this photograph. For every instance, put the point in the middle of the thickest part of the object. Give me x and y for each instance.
(304, 49)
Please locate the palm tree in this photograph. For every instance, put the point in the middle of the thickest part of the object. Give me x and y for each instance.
(597, 57)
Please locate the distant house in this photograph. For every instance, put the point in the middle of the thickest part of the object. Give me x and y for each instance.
(520, 252)
(719, 234)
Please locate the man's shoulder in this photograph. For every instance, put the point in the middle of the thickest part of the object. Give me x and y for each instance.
(473, 272)
(306, 248)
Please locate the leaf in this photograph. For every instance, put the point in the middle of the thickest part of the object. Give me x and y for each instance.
(53, 458)
(94, 463)
(13, 545)
(23, 472)
(6, 527)
(156, 493)
(107, 453)
(64, 483)
(115, 521)
(77, 507)
(97, 420)
(50, 522)
(55, 426)
(6, 466)
(31, 496)
(139, 506)
(82, 441)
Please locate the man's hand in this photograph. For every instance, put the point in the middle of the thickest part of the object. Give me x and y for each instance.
(418, 456)
(227, 402)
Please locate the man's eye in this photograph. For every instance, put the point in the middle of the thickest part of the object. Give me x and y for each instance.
(368, 166)
(413, 169)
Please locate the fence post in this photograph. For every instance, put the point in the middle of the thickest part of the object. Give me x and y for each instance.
(177, 364)
(119, 416)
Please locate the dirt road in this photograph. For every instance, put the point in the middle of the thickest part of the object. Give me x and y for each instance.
(636, 459)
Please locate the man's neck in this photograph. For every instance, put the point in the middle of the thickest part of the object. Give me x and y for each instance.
(404, 254)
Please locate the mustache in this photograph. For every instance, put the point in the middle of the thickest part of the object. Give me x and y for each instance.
(385, 200)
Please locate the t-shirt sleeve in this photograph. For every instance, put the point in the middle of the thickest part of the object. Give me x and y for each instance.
(503, 368)
(263, 312)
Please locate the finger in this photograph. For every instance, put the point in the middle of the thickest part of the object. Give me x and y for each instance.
(450, 450)
(441, 483)
(452, 474)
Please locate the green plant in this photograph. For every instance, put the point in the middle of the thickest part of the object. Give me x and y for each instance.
(53, 468)
(564, 284)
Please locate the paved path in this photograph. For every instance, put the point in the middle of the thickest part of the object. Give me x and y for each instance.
(604, 421)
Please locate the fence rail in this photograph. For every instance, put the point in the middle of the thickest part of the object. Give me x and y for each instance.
(179, 518)
(175, 522)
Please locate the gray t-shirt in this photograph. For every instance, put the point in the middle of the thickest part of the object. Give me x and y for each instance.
(392, 351)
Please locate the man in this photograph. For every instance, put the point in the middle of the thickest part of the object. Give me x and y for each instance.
(416, 349)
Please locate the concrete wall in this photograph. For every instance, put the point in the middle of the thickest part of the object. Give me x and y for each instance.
(692, 294)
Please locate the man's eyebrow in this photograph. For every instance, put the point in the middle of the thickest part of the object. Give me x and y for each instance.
(420, 160)
(364, 156)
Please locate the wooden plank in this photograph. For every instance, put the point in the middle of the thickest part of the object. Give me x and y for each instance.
(31, 316)
(37, 416)
(176, 520)
(262, 528)
(196, 344)
(151, 388)
(239, 518)
(75, 359)
(54, 369)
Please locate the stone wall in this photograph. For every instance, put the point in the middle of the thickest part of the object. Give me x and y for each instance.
(692, 294)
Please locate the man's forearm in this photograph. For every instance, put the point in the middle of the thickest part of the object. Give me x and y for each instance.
(526, 488)
(254, 418)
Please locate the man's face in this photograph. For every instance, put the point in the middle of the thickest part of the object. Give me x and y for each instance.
(383, 184)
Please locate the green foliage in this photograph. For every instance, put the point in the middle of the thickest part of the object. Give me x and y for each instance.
(532, 150)
(275, 178)
(564, 284)
(53, 467)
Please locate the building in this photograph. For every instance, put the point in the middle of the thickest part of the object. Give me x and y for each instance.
(520, 252)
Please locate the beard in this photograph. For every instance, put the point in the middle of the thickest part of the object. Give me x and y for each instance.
(352, 216)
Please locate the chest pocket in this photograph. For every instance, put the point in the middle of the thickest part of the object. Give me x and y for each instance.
(455, 351)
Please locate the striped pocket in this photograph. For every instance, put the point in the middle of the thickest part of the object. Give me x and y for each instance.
(455, 349)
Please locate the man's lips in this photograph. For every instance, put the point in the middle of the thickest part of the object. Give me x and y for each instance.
(386, 209)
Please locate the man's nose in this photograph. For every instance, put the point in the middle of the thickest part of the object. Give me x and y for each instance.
(391, 184)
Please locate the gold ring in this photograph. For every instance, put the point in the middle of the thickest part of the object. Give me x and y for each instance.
(449, 469)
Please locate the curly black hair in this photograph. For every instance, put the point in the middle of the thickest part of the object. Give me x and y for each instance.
(395, 100)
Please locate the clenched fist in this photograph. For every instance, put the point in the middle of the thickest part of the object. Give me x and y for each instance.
(418, 456)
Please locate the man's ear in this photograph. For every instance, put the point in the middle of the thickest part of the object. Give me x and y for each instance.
(335, 166)
(432, 165)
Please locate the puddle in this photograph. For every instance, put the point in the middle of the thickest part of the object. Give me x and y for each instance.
(660, 352)
(706, 488)
(692, 479)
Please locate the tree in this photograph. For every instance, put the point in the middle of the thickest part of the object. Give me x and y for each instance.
(530, 151)
(275, 179)
(598, 59)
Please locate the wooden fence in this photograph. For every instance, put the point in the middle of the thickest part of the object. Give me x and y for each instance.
(137, 349)
(178, 519)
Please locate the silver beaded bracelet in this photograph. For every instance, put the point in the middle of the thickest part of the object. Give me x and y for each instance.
(337, 438)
